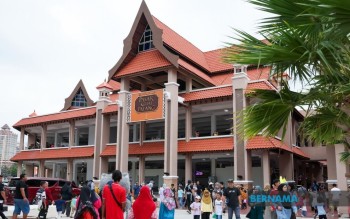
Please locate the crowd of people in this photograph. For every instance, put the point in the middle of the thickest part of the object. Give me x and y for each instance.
(212, 200)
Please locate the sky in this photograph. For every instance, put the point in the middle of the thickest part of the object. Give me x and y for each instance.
(47, 46)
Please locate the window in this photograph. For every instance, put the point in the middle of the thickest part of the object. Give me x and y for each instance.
(146, 41)
(79, 100)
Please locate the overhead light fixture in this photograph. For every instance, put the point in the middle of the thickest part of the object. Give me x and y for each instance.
(225, 110)
(228, 154)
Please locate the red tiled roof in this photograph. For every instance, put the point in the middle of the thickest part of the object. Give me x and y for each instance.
(299, 152)
(181, 45)
(194, 145)
(208, 94)
(215, 61)
(63, 115)
(143, 61)
(33, 114)
(259, 85)
(115, 85)
(112, 108)
(114, 97)
(260, 142)
(259, 73)
(195, 70)
(222, 79)
(106, 85)
(62, 153)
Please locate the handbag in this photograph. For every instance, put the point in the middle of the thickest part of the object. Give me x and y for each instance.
(115, 199)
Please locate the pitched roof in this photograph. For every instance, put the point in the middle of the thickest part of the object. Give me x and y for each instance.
(51, 154)
(259, 85)
(144, 61)
(5, 127)
(215, 61)
(222, 79)
(194, 145)
(33, 114)
(112, 108)
(195, 70)
(259, 73)
(181, 45)
(260, 142)
(61, 116)
(68, 100)
(215, 92)
(105, 85)
(299, 152)
(115, 85)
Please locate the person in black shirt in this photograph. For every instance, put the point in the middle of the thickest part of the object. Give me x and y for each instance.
(2, 199)
(21, 198)
(66, 193)
(232, 198)
(189, 191)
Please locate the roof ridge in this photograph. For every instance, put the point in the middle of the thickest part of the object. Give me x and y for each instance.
(64, 111)
(207, 67)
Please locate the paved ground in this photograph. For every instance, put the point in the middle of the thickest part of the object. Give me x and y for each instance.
(179, 214)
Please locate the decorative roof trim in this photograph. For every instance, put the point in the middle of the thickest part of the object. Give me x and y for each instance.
(129, 40)
(69, 99)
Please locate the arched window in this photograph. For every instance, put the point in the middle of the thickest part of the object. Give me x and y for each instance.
(146, 41)
(79, 100)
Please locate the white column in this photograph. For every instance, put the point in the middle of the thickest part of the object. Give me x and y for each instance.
(43, 137)
(134, 132)
(142, 165)
(213, 167)
(188, 111)
(188, 85)
(54, 170)
(70, 169)
(188, 167)
(213, 124)
(21, 140)
(171, 125)
(55, 143)
(71, 133)
(42, 168)
(133, 172)
(265, 161)
(123, 129)
(19, 168)
(76, 137)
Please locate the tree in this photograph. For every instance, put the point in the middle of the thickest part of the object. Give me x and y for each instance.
(308, 39)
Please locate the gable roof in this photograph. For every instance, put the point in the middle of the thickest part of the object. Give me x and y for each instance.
(69, 99)
(130, 50)
(216, 62)
(181, 45)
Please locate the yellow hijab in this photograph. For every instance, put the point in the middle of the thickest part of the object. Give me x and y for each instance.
(206, 197)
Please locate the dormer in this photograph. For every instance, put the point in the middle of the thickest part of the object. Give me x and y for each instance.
(78, 98)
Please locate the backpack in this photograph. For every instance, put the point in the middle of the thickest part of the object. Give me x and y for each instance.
(86, 211)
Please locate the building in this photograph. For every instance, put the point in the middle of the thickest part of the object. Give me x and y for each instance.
(8, 144)
(169, 107)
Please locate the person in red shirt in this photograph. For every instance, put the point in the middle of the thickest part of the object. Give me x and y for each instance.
(274, 192)
(114, 206)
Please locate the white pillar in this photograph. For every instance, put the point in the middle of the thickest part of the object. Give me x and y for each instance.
(123, 129)
(134, 132)
(43, 136)
(213, 167)
(42, 168)
(188, 167)
(70, 169)
(19, 168)
(213, 124)
(142, 165)
(53, 170)
(265, 161)
(55, 143)
(188, 111)
(71, 133)
(21, 140)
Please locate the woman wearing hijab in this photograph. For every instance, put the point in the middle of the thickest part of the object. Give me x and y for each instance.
(256, 208)
(167, 206)
(266, 192)
(143, 207)
(88, 204)
(206, 205)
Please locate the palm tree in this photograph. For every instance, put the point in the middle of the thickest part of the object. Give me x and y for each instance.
(309, 39)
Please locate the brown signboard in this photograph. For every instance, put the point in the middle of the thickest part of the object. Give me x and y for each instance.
(147, 105)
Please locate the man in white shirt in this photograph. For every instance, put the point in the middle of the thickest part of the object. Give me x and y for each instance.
(335, 197)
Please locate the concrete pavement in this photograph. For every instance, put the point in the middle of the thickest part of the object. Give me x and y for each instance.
(52, 214)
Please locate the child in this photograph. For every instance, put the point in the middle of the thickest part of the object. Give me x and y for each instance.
(59, 205)
(196, 208)
(73, 206)
(320, 208)
(218, 205)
